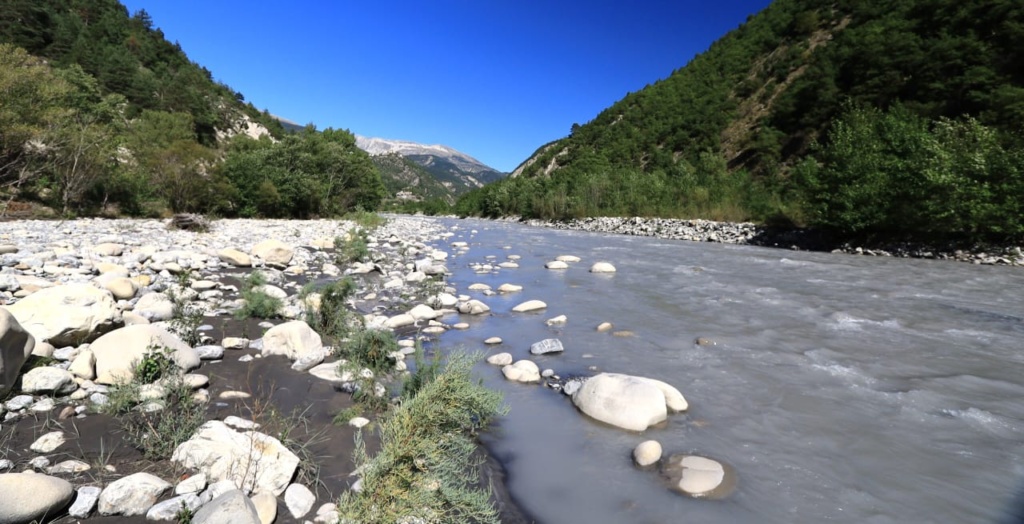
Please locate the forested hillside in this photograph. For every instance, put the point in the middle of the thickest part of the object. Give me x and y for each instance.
(895, 117)
(99, 113)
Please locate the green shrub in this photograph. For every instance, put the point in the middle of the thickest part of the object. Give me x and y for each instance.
(332, 319)
(257, 302)
(370, 348)
(158, 433)
(354, 249)
(366, 220)
(425, 467)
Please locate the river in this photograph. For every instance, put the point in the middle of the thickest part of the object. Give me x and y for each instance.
(841, 389)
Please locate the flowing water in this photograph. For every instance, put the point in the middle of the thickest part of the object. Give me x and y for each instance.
(841, 388)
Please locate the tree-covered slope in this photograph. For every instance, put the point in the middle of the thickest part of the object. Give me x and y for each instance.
(722, 136)
(99, 113)
(407, 179)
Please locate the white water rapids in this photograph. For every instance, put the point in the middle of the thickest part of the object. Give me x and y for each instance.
(841, 388)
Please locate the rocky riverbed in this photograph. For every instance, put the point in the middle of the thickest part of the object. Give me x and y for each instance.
(795, 239)
(83, 303)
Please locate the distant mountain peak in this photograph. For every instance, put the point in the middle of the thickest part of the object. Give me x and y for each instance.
(455, 170)
(384, 146)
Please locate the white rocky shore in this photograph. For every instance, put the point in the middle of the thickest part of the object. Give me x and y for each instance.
(91, 296)
(748, 233)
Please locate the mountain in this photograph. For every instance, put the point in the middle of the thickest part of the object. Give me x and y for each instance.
(754, 128)
(409, 181)
(456, 172)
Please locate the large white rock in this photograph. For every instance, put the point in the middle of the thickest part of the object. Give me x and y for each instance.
(67, 315)
(556, 264)
(473, 307)
(132, 495)
(548, 345)
(522, 371)
(232, 507)
(293, 339)
(399, 320)
(28, 497)
(118, 352)
(251, 460)
(500, 359)
(47, 380)
(625, 401)
(602, 267)
(274, 252)
(234, 257)
(154, 307)
(529, 305)
(424, 312)
(16, 344)
(509, 288)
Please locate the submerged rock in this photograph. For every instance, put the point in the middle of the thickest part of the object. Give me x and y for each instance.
(699, 477)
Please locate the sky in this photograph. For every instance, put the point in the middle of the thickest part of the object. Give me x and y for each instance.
(495, 79)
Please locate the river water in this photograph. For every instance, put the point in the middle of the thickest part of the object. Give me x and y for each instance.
(841, 388)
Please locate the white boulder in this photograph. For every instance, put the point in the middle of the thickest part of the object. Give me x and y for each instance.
(67, 315)
(625, 401)
(293, 339)
(132, 495)
(274, 252)
(29, 497)
(529, 305)
(522, 371)
(252, 460)
(16, 344)
(118, 352)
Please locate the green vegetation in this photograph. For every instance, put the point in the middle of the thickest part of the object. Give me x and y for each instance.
(101, 114)
(257, 302)
(426, 466)
(177, 414)
(351, 248)
(331, 317)
(723, 137)
(366, 220)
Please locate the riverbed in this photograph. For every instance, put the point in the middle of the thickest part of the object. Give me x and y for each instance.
(840, 388)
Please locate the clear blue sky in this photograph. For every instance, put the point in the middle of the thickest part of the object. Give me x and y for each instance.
(494, 79)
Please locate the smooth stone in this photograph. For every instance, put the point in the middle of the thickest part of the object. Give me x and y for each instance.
(170, 508)
(299, 500)
(47, 380)
(85, 501)
(234, 257)
(293, 339)
(602, 267)
(250, 459)
(529, 305)
(273, 252)
(210, 352)
(48, 442)
(118, 352)
(192, 484)
(626, 401)
(509, 288)
(232, 507)
(522, 371)
(492, 340)
(473, 307)
(29, 497)
(557, 321)
(699, 477)
(266, 506)
(84, 365)
(567, 258)
(647, 453)
(500, 359)
(701, 341)
(556, 264)
(132, 495)
(67, 315)
(479, 287)
(604, 326)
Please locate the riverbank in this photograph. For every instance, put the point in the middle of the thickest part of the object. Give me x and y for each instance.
(792, 239)
(141, 275)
